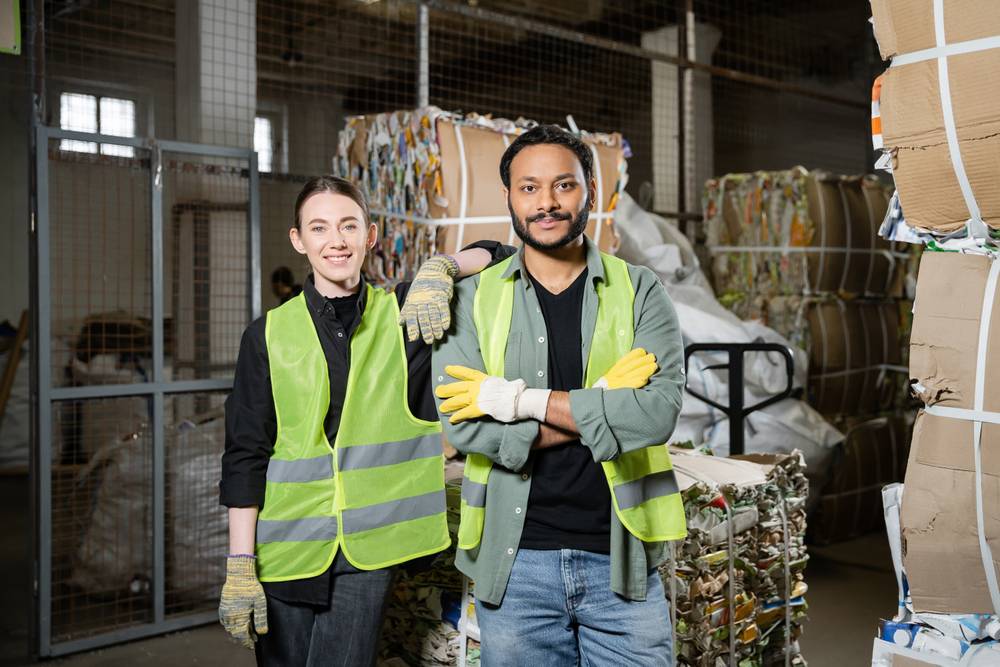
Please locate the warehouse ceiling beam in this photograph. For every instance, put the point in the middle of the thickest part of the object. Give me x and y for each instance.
(90, 27)
(520, 23)
(108, 50)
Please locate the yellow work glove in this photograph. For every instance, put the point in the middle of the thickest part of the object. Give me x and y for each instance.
(630, 372)
(477, 394)
(427, 309)
(243, 606)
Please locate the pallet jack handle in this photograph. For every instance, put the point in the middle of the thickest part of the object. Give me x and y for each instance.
(736, 411)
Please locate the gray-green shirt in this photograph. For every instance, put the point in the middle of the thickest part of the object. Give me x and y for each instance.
(610, 421)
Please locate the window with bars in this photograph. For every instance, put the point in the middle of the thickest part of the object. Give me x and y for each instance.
(112, 116)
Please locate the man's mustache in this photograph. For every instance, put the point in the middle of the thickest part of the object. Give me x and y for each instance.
(555, 215)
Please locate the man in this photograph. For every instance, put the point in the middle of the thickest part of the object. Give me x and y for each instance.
(283, 284)
(569, 497)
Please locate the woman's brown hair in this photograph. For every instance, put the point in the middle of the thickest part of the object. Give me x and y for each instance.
(335, 185)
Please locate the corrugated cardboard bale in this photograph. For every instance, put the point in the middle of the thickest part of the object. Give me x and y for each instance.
(887, 270)
(483, 148)
(945, 336)
(941, 546)
(837, 216)
(941, 550)
(873, 454)
(692, 467)
(905, 26)
(851, 342)
(913, 127)
(848, 211)
(826, 209)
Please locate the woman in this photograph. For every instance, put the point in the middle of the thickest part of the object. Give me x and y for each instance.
(332, 471)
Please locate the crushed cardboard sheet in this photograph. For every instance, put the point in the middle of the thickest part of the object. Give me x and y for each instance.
(938, 118)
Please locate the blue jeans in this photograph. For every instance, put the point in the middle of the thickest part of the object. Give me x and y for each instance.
(559, 610)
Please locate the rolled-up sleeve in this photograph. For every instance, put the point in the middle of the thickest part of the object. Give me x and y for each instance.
(507, 445)
(614, 421)
(251, 424)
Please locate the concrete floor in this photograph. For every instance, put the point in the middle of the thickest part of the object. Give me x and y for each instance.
(850, 587)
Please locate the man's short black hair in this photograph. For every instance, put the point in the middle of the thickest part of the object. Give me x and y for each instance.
(547, 134)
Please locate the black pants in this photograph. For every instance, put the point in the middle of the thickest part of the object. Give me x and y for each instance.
(343, 633)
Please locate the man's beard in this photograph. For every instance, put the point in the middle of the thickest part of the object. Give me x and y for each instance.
(577, 226)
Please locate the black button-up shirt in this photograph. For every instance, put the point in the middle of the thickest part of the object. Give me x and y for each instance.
(252, 425)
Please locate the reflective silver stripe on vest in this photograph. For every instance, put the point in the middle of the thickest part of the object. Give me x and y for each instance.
(297, 530)
(394, 511)
(388, 453)
(473, 493)
(645, 488)
(300, 470)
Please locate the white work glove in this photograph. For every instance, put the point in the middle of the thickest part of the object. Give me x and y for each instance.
(477, 394)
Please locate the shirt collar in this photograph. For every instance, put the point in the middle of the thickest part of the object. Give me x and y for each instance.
(318, 303)
(595, 267)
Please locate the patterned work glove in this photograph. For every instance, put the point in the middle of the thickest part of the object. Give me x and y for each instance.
(243, 607)
(630, 372)
(427, 310)
(478, 394)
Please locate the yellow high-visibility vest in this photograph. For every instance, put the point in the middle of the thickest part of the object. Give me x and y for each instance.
(644, 489)
(378, 492)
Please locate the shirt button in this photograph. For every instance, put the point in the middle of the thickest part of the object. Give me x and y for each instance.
(541, 373)
(340, 334)
(510, 552)
(440, 378)
(524, 476)
(621, 332)
(517, 510)
(541, 339)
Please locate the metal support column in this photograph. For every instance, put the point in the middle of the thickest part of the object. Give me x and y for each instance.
(423, 56)
(253, 234)
(682, 70)
(40, 344)
(35, 49)
(159, 435)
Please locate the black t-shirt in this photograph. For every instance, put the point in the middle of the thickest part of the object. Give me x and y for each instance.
(569, 506)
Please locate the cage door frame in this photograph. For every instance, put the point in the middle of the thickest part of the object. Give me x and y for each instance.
(46, 394)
